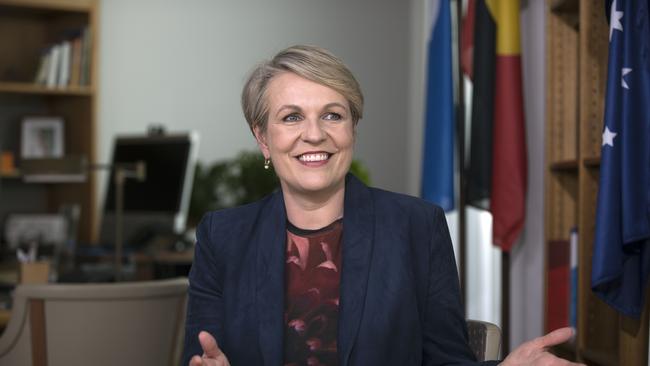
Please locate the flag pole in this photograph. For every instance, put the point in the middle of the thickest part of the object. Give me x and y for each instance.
(505, 302)
(460, 138)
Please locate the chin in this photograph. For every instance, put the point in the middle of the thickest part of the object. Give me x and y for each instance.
(320, 184)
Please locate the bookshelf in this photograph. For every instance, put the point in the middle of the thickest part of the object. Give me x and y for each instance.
(576, 74)
(27, 29)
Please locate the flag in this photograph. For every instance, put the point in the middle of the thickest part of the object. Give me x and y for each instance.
(467, 40)
(621, 258)
(438, 154)
(497, 167)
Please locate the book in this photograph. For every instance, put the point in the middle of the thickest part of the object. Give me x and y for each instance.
(75, 66)
(86, 50)
(43, 68)
(53, 69)
(557, 285)
(573, 285)
(64, 64)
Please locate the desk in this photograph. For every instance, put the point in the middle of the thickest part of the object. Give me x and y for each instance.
(148, 264)
(163, 264)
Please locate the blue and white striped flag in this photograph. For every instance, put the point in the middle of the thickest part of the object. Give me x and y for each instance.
(438, 154)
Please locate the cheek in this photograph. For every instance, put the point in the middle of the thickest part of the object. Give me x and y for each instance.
(350, 139)
(278, 142)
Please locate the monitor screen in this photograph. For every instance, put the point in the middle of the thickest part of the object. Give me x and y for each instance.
(160, 202)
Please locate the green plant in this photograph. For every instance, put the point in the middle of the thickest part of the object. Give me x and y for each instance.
(239, 181)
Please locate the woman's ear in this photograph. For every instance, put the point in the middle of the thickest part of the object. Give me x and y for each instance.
(261, 142)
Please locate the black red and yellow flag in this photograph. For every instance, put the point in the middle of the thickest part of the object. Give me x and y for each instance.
(497, 170)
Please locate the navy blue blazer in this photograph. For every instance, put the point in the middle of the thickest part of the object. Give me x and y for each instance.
(400, 299)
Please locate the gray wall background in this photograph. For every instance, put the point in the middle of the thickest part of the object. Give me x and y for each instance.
(183, 63)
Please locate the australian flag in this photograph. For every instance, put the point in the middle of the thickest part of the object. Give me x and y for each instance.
(621, 258)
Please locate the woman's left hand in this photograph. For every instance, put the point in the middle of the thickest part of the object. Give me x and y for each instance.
(535, 352)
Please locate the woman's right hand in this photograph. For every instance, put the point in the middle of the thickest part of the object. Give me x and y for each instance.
(212, 355)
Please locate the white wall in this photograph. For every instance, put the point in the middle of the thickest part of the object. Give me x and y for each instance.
(183, 63)
(527, 258)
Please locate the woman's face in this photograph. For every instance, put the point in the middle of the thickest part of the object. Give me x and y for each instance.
(309, 136)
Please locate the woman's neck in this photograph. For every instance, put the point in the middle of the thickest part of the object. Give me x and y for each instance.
(314, 211)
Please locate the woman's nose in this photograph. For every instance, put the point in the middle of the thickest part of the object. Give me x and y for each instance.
(313, 131)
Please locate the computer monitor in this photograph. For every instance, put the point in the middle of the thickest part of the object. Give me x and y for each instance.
(159, 204)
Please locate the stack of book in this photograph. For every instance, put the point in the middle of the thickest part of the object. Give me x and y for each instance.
(67, 63)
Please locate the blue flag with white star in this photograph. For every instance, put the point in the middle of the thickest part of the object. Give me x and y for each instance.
(438, 153)
(621, 258)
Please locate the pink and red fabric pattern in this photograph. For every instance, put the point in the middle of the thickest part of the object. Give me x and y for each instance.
(313, 263)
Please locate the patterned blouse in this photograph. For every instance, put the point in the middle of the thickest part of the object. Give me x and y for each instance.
(313, 263)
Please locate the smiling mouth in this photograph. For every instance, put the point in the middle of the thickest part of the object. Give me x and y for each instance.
(314, 157)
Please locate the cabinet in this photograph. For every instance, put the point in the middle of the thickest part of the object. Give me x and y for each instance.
(576, 50)
(27, 27)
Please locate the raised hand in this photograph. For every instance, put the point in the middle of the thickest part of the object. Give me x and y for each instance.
(212, 355)
(535, 352)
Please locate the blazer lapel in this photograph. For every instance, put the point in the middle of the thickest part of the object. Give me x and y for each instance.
(270, 239)
(358, 229)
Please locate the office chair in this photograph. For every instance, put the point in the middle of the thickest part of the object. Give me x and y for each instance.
(137, 323)
(484, 339)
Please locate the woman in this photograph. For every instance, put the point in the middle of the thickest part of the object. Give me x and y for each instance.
(325, 271)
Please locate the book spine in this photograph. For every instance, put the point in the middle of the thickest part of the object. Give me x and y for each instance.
(64, 64)
(557, 289)
(52, 73)
(86, 50)
(75, 67)
(573, 297)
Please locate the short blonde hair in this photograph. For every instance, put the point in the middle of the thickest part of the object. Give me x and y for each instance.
(310, 62)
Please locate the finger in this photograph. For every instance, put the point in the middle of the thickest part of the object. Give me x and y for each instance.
(196, 361)
(209, 345)
(555, 337)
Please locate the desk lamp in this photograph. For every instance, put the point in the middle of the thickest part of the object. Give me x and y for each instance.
(76, 169)
(122, 172)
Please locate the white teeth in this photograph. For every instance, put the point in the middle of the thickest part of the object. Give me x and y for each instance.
(313, 157)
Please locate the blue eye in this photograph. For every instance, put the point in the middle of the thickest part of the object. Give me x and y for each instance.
(293, 117)
(332, 116)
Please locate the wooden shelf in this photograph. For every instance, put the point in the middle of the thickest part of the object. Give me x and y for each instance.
(34, 89)
(565, 6)
(576, 75)
(48, 5)
(602, 358)
(565, 166)
(568, 11)
(28, 27)
(591, 162)
(565, 350)
(13, 175)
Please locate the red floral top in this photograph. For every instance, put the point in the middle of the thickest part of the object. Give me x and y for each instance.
(313, 263)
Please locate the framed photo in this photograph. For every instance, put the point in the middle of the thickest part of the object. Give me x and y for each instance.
(42, 137)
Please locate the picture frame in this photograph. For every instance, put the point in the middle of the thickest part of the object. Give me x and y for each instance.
(42, 137)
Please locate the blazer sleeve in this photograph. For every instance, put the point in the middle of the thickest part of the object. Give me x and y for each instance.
(445, 340)
(205, 305)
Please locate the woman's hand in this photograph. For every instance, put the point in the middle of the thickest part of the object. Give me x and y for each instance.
(534, 352)
(212, 355)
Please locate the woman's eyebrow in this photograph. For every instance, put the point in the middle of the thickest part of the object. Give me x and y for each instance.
(334, 104)
(292, 107)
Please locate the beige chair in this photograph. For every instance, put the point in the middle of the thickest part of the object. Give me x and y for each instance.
(484, 340)
(136, 323)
